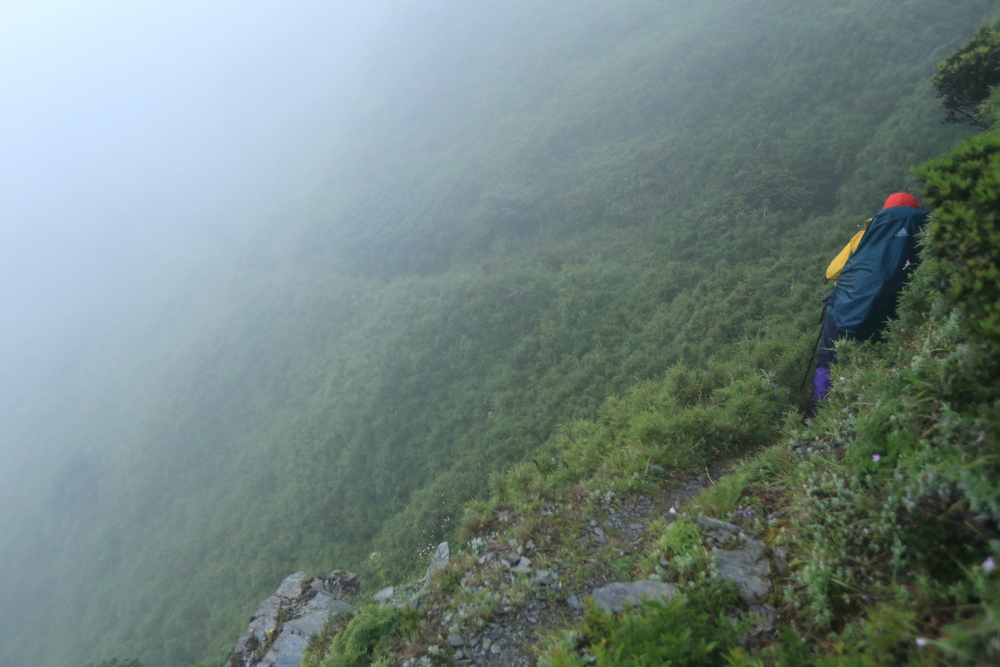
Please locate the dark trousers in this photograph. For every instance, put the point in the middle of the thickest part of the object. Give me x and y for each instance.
(825, 355)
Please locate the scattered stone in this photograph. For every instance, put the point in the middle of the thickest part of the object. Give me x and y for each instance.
(384, 596)
(767, 617)
(456, 640)
(747, 567)
(715, 524)
(544, 577)
(440, 559)
(614, 597)
(574, 601)
(341, 584)
(781, 559)
(523, 566)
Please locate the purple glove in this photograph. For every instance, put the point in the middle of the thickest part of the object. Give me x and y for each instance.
(821, 383)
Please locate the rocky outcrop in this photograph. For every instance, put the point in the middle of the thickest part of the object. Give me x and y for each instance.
(280, 629)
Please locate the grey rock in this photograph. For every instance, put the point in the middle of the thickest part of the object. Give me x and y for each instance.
(747, 567)
(319, 602)
(523, 566)
(766, 617)
(722, 536)
(573, 601)
(341, 583)
(544, 577)
(495, 649)
(614, 597)
(781, 559)
(264, 621)
(384, 596)
(308, 607)
(306, 626)
(455, 640)
(487, 643)
(291, 587)
(440, 559)
(715, 524)
(287, 651)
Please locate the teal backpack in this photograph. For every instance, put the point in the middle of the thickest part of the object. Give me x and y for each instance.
(869, 284)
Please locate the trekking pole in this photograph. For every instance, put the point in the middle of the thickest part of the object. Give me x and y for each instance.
(812, 355)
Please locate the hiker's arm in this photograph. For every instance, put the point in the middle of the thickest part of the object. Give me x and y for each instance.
(837, 265)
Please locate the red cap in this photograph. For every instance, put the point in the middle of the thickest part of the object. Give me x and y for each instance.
(901, 199)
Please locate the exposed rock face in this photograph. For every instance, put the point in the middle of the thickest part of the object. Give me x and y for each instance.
(440, 559)
(280, 629)
(341, 584)
(748, 567)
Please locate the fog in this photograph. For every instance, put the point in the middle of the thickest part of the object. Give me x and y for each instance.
(138, 134)
(144, 145)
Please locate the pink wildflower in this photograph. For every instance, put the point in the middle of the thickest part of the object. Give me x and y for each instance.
(876, 458)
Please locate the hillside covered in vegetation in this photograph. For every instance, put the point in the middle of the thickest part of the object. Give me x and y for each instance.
(561, 249)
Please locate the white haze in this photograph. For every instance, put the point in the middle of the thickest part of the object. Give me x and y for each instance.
(139, 137)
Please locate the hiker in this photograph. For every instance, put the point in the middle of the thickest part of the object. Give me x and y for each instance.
(870, 273)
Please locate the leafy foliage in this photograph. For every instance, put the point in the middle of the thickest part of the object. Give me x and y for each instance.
(366, 638)
(967, 77)
(964, 188)
(671, 633)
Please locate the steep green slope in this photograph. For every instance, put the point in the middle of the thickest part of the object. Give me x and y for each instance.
(537, 208)
(877, 522)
